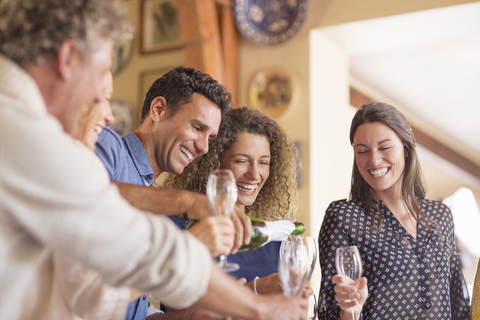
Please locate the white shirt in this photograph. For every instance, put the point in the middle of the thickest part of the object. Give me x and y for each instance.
(53, 194)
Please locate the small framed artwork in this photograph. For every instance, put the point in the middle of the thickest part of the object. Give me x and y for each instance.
(123, 113)
(161, 29)
(271, 91)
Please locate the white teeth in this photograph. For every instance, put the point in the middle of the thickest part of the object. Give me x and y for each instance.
(97, 129)
(187, 153)
(247, 187)
(379, 172)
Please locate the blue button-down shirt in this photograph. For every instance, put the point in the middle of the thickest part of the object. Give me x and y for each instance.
(124, 157)
(126, 161)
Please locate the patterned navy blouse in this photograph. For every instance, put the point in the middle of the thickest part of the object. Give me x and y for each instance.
(408, 278)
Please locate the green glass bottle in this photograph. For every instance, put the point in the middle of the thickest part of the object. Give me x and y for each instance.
(266, 231)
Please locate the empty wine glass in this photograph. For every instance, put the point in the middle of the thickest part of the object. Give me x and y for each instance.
(312, 257)
(222, 196)
(294, 265)
(349, 263)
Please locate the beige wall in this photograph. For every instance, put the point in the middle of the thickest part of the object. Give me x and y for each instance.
(128, 83)
(293, 56)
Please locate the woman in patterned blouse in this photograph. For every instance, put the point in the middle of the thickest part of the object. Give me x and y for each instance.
(410, 265)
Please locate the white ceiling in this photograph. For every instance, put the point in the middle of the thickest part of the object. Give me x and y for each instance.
(428, 62)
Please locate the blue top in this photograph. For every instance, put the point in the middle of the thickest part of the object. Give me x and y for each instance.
(124, 157)
(257, 263)
(126, 161)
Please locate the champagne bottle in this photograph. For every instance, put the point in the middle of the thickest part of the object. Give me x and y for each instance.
(265, 231)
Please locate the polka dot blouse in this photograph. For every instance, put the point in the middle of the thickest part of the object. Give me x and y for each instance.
(408, 278)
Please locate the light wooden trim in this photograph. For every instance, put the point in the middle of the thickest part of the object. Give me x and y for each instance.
(201, 32)
(231, 49)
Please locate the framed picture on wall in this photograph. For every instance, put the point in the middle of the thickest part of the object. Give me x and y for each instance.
(161, 29)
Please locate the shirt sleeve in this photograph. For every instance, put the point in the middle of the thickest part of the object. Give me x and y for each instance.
(108, 149)
(331, 236)
(459, 296)
(87, 294)
(62, 198)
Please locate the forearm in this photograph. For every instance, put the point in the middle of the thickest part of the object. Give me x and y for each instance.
(346, 315)
(226, 296)
(186, 314)
(173, 315)
(349, 315)
(166, 201)
(266, 285)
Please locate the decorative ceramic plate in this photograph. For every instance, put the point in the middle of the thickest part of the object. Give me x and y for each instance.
(271, 91)
(121, 55)
(123, 113)
(269, 22)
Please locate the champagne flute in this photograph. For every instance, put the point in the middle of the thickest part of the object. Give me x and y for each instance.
(349, 263)
(293, 265)
(311, 245)
(222, 196)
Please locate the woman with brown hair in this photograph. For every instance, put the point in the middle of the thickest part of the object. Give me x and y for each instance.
(263, 160)
(406, 242)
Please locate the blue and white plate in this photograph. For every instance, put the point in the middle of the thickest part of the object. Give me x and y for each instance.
(269, 22)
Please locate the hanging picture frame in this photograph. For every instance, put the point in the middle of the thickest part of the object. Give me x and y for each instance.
(160, 28)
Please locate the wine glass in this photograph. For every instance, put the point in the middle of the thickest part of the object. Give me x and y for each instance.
(349, 263)
(294, 265)
(222, 196)
(312, 257)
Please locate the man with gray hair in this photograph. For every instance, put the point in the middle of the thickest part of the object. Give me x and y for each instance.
(53, 193)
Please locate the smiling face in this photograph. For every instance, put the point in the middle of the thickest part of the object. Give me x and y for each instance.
(249, 159)
(185, 136)
(380, 158)
(97, 116)
(85, 83)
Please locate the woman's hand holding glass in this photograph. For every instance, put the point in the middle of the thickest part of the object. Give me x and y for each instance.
(350, 289)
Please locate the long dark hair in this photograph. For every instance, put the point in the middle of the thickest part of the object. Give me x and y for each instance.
(413, 183)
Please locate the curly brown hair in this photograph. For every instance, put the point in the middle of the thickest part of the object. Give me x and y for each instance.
(278, 199)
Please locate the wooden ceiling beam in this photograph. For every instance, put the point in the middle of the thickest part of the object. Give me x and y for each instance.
(357, 99)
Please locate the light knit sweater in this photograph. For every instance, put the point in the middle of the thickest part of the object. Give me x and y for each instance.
(54, 194)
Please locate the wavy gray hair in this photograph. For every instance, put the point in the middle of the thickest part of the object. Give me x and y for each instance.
(32, 31)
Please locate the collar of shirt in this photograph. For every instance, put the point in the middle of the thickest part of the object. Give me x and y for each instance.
(139, 156)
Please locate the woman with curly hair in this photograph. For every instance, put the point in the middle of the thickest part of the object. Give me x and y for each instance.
(263, 159)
